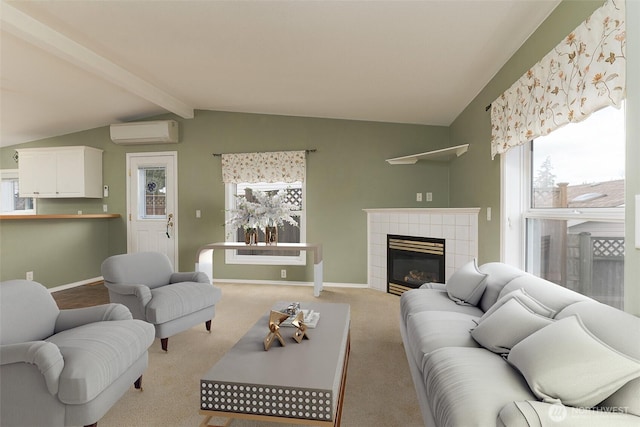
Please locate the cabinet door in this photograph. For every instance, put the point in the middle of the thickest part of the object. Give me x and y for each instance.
(70, 173)
(37, 174)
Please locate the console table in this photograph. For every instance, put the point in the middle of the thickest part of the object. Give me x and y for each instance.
(204, 257)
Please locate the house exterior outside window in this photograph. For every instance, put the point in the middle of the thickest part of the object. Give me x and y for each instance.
(570, 200)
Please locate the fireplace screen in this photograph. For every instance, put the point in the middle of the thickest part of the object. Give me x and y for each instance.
(412, 261)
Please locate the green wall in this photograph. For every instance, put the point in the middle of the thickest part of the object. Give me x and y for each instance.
(475, 177)
(346, 174)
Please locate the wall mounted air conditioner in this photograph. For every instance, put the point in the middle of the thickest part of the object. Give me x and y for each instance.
(151, 132)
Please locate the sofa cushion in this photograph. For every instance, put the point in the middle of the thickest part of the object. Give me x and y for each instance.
(430, 330)
(174, 301)
(498, 276)
(97, 354)
(467, 284)
(508, 325)
(628, 397)
(551, 295)
(418, 300)
(606, 322)
(469, 386)
(523, 297)
(563, 363)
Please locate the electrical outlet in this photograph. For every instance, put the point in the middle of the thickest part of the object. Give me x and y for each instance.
(429, 197)
(283, 274)
(105, 208)
(418, 197)
(198, 213)
(29, 275)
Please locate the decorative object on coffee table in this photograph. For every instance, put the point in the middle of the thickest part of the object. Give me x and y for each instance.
(301, 328)
(275, 318)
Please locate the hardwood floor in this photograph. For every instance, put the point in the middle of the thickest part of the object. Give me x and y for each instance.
(82, 296)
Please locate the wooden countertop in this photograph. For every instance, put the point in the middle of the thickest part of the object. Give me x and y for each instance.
(58, 216)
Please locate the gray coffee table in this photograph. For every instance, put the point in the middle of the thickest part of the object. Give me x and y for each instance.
(297, 384)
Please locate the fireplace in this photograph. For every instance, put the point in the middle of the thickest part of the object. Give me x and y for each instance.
(412, 261)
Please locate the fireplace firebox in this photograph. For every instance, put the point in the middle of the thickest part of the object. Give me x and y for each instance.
(412, 261)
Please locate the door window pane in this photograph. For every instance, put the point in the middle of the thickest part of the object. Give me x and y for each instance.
(152, 192)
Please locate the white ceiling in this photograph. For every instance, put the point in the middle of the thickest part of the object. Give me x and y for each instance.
(68, 66)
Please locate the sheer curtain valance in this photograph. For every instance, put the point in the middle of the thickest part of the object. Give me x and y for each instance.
(275, 166)
(584, 73)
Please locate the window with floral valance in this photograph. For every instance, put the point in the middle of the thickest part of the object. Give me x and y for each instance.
(582, 74)
(274, 166)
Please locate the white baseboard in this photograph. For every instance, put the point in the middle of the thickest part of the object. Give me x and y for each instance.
(263, 282)
(76, 284)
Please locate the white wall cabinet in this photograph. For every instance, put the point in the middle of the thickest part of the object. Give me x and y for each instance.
(60, 172)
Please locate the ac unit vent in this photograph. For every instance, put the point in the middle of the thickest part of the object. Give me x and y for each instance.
(151, 132)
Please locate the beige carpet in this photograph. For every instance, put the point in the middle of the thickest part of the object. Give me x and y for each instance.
(379, 391)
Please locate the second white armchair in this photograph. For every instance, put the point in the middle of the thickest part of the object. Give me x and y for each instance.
(172, 301)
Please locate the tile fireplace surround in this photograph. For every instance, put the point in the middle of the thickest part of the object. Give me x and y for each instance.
(458, 226)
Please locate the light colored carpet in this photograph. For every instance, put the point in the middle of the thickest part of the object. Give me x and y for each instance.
(379, 391)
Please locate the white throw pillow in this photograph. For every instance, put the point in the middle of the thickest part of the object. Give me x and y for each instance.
(522, 296)
(467, 284)
(512, 322)
(565, 363)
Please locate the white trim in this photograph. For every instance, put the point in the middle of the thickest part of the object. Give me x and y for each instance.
(292, 283)
(513, 201)
(76, 284)
(592, 214)
(425, 210)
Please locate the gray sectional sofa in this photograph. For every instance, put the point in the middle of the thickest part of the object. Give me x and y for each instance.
(498, 346)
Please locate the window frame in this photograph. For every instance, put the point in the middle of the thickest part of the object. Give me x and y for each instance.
(12, 174)
(232, 256)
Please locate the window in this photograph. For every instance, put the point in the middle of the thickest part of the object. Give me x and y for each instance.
(286, 233)
(10, 201)
(571, 201)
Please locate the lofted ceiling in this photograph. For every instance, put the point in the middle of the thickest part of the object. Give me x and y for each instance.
(67, 66)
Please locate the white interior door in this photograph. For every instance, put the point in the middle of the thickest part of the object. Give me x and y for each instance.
(152, 184)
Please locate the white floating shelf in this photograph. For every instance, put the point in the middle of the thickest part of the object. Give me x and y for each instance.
(443, 155)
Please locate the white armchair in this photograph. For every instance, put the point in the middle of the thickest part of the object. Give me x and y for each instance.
(172, 301)
(65, 367)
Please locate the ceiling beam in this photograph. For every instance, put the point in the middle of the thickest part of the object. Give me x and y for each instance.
(35, 32)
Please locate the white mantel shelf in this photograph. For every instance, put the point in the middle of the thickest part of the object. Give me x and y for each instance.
(443, 155)
(425, 210)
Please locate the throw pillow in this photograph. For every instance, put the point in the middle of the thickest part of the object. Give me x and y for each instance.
(522, 296)
(467, 284)
(512, 322)
(565, 363)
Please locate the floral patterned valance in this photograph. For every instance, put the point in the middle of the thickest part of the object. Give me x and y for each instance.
(275, 166)
(584, 73)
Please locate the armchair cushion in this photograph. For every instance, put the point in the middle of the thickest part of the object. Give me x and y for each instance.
(174, 301)
(92, 365)
(152, 269)
(191, 276)
(72, 318)
(27, 298)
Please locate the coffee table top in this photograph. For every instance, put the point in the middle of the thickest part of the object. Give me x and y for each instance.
(310, 368)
